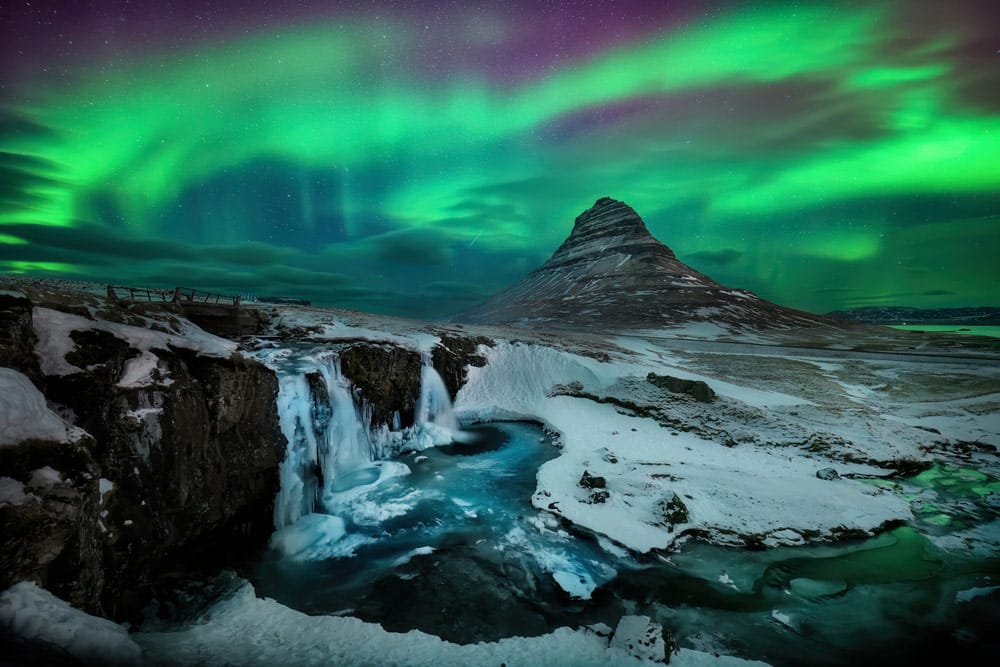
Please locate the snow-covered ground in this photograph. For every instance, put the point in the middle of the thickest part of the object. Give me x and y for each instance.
(739, 470)
(242, 629)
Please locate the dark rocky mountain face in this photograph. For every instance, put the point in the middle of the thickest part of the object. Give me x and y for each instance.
(613, 274)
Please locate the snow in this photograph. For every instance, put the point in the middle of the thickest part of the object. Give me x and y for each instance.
(35, 614)
(139, 371)
(44, 478)
(639, 637)
(410, 555)
(242, 629)
(783, 618)
(24, 414)
(53, 328)
(12, 492)
(231, 631)
(331, 325)
(105, 486)
(728, 491)
(972, 593)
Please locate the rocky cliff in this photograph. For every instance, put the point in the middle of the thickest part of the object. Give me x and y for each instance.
(179, 458)
(612, 273)
(163, 443)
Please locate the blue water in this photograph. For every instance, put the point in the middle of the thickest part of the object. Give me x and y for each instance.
(462, 507)
(447, 541)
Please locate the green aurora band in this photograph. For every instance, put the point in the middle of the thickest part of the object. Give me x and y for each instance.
(789, 152)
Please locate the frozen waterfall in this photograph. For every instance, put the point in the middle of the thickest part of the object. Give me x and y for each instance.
(434, 405)
(436, 423)
(326, 437)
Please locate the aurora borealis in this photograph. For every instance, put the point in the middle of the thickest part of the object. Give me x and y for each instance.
(413, 158)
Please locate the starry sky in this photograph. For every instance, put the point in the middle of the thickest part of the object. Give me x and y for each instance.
(413, 158)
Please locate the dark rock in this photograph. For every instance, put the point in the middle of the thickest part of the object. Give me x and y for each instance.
(17, 337)
(52, 537)
(387, 377)
(828, 474)
(674, 512)
(102, 355)
(697, 389)
(589, 481)
(452, 357)
(598, 496)
(194, 461)
(472, 600)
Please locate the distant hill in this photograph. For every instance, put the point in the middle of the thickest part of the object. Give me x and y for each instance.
(981, 315)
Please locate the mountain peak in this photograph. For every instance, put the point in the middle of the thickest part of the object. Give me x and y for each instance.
(611, 273)
(609, 226)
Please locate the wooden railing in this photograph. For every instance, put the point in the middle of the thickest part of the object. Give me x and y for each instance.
(123, 293)
(177, 295)
(188, 295)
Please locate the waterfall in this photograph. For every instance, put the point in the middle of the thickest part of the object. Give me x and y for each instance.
(434, 405)
(331, 445)
(326, 437)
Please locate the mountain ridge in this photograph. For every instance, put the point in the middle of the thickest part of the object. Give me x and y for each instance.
(613, 273)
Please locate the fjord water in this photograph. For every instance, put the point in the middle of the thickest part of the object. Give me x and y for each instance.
(445, 539)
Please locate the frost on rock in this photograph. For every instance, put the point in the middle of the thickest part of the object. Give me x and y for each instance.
(24, 414)
(53, 329)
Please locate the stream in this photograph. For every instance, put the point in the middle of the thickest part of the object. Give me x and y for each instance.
(444, 539)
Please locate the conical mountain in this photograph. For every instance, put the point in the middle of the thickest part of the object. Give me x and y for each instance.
(611, 273)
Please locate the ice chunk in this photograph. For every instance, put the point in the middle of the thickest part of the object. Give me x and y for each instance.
(973, 593)
(310, 534)
(641, 638)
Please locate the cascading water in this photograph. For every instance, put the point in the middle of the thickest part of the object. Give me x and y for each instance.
(330, 464)
(434, 405)
(436, 423)
(326, 438)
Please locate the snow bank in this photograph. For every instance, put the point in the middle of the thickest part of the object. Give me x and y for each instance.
(245, 630)
(53, 327)
(648, 468)
(24, 414)
(35, 614)
(331, 325)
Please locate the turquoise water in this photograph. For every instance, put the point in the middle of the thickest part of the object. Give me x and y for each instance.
(966, 329)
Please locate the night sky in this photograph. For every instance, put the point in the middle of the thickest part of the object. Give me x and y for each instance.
(414, 158)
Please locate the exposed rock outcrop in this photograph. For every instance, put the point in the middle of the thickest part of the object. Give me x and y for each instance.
(452, 357)
(388, 378)
(181, 460)
(17, 337)
(50, 519)
(697, 389)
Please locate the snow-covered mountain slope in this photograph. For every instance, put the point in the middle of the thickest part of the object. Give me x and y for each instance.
(612, 274)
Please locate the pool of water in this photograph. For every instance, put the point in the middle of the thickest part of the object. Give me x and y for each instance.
(447, 541)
